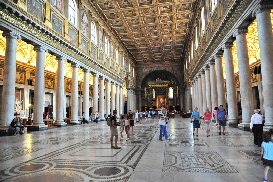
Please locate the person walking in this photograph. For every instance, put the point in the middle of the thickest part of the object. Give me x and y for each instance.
(207, 119)
(214, 115)
(195, 116)
(127, 126)
(163, 128)
(256, 126)
(222, 119)
(114, 131)
(136, 118)
(267, 153)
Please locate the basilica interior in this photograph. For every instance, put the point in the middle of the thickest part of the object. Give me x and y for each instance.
(62, 61)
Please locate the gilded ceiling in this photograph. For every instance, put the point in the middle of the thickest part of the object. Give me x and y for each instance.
(152, 30)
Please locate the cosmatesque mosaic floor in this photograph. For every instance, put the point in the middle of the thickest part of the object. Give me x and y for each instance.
(83, 153)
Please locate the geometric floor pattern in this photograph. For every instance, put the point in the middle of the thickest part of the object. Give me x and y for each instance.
(196, 161)
(83, 153)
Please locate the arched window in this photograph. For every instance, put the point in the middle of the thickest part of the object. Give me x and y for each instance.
(106, 46)
(93, 32)
(171, 92)
(72, 12)
(213, 4)
(203, 19)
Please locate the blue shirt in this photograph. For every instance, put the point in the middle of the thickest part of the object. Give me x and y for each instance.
(195, 115)
(268, 150)
(221, 114)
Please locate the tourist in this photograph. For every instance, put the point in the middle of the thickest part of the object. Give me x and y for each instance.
(267, 153)
(222, 119)
(256, 126)
(114, 131)
(195, 116)
(207, 119)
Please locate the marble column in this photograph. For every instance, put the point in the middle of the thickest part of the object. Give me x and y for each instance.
(200, 96)
(208, 96)
(9, 78)
(108, 89)
(187, 98)
(129, 100)
(113, 104)
(101, 100)
(245, 78)
(193, 94)
(26, 93)
(204, 102)
(121, 105)
(196, 93)
(117, 100)
(213, 86)
(60, 94)
(230, 85)
(265, 37)
(220, 80)
(75, 97)
(39, 90)
(95, 93)
(86, 94)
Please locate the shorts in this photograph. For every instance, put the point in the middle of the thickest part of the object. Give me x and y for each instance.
(121, 128)
(222, 122)
(114, 130)
(137, 119)
(132, 122)
(208, 124)
(196, 124)
(267, 162)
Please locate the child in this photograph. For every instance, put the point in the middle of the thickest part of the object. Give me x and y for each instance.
(267, 153)
(121, 127)
(207, 118)
(127, 126)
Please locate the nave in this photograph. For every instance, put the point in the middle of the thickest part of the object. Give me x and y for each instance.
(83, 153)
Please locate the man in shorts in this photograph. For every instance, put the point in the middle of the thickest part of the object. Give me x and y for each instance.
(114, 131)
(222, 119)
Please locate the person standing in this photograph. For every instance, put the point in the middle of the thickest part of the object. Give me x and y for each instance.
(196, 122)
(163, 128)
(136, 117)
(114, 131)
(127, 126)
(267, 153)
(214, 114)
(121, 127)
(131, 120)
(207, 118)
(256, 126)
(222, 119)
(96, 116)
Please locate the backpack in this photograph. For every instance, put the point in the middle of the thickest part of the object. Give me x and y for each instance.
(109, 122)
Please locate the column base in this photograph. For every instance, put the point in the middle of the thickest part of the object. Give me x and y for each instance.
(267, 127)
(244, 126)
(41, 127)
(232, 121)
(60, 124)
(75, 122)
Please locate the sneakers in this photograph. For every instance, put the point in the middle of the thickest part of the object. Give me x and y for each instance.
(265, 179)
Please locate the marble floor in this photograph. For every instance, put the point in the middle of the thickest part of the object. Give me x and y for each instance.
(83, 153)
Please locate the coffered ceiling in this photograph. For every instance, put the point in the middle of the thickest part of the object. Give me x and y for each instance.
(152, 30)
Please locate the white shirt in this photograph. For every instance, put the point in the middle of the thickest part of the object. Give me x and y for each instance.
(256, 119)
(136, 115)
(162, 121)
(126, 122)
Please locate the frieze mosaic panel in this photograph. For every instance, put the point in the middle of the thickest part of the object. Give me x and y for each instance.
(196, 161)
(57, 24)
(35, 8)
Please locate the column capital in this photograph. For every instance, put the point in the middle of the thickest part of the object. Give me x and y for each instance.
(75, 65)
(261, 8)
(240, 31)
(101, 77)
(40, 48)
(218, 55)
(212, 62)
(86, 70)
(94, 74)
(228, 45)
(12, 34)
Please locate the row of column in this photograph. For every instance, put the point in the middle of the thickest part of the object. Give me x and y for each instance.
(208, 87)
(7, 113)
